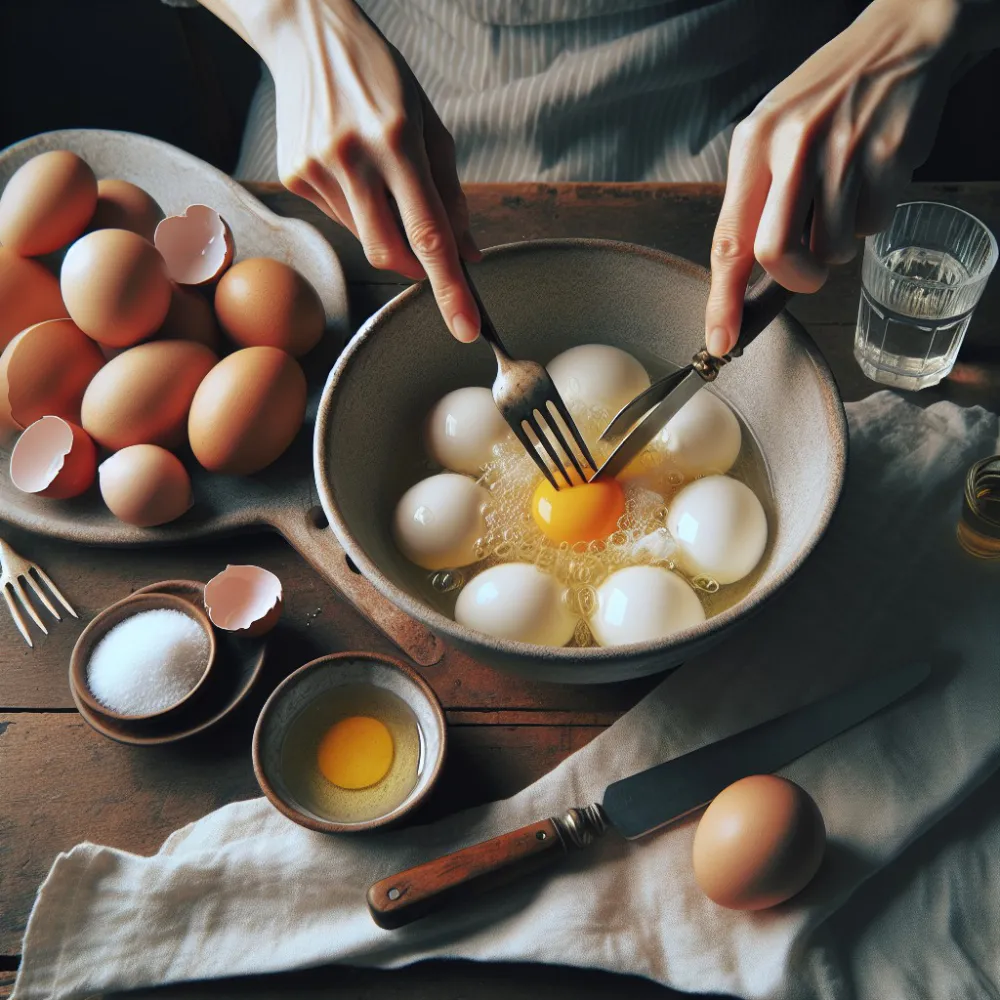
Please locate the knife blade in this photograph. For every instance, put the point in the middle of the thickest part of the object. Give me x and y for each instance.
(639, 804)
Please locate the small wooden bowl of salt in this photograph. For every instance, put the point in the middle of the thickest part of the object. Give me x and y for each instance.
(143, 657)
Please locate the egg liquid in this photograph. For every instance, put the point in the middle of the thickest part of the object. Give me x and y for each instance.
(650, 483)
(303, 754)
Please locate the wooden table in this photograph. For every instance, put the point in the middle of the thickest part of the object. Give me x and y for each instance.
(61, 783)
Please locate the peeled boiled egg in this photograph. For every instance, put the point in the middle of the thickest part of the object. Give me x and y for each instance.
(143, 395)
(53, 458)
(463, 428)
(598, 376)
(244, 599)
(122, 205)
(190, 317)
(720, 528)
(197, 246)
(759, 842)
(517, 601)
(703, 437)
(29, 294)
(247, 411)
(642, 603)
(47, 203)
(115, 287)
(44, 371)
(145, 485)
(263, 302)
(583, 513)
(438, 521)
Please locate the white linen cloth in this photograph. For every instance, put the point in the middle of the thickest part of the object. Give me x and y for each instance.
(246, 891)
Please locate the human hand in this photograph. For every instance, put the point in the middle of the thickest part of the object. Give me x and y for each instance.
(843, 134)
(358, 138)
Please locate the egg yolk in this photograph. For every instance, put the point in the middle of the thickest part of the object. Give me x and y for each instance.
(355, 752)
(582, 513)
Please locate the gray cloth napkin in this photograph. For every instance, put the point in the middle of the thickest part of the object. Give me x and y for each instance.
(245, 891)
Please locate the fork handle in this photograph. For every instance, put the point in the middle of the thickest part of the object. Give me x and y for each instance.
(486, 328)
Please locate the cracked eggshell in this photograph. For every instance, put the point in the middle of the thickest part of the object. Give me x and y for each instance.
(122, 205)
(45, 371)
(143, 396)
(53, 458)
(29, 294)
(115, 287)
(145, 485)
(47, 203)
(244, 599)
(197, 245)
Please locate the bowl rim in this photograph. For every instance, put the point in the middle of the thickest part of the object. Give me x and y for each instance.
(570, 657)
(99, 626)
(408, 805)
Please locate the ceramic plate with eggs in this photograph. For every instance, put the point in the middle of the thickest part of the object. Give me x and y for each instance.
(153, 321)
(675, 538)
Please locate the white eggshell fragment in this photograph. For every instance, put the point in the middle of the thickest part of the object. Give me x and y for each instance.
(462, 429)
(598, 376)
(643, 603)
(244, 599)
(439, 520)
(703, 437)
(53, 458)
(197, 246)
(720, 528)
(517, 601)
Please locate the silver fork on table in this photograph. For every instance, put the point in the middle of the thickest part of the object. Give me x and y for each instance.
(13, 570)
(528, 400)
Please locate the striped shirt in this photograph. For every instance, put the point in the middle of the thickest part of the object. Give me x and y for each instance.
(585, 90)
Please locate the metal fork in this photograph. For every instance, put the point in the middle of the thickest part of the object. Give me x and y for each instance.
(528, 400)
(14, 569)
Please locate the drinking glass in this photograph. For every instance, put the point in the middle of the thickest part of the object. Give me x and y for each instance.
(920, 281)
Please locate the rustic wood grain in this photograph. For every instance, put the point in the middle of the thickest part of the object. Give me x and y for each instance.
(61, 783)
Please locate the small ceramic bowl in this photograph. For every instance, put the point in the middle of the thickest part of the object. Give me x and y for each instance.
(315, 680)
(114, 615)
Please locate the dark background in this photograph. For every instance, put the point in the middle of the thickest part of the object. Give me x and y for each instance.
(181, 75)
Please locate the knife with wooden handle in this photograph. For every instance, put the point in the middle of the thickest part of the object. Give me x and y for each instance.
(636, 805)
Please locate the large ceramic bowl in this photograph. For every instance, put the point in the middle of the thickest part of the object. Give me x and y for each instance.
(545, 297)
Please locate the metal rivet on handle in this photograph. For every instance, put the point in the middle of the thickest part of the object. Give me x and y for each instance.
(394, 894)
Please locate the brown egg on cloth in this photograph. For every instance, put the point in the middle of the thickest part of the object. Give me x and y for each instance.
(262, 302)
(247, 411)
(47, 203)
(196, 246)
(44, 371)
(115, 287)
(123, 205)
(29, 293)
(759, 842)
(143, 395)
(145, 485)
(53, 458)
(244, 599)
(190, 317)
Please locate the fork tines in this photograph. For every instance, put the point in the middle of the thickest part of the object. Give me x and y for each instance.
(16, 596)
(538, 423)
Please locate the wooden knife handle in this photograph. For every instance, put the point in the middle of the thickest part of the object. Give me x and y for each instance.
(429, 887)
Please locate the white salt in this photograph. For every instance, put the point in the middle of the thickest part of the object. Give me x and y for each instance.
(148, 662)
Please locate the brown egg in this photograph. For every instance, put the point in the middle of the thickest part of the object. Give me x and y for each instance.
(47, 203)
(29, 293)
(122, 205)
(145, 485)
(115, 287)
(247, 411)
(53, 458)
(190, 317)
(143, 395)
(44, 371)
(197, 246)
(262, 302)
(759, 843)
